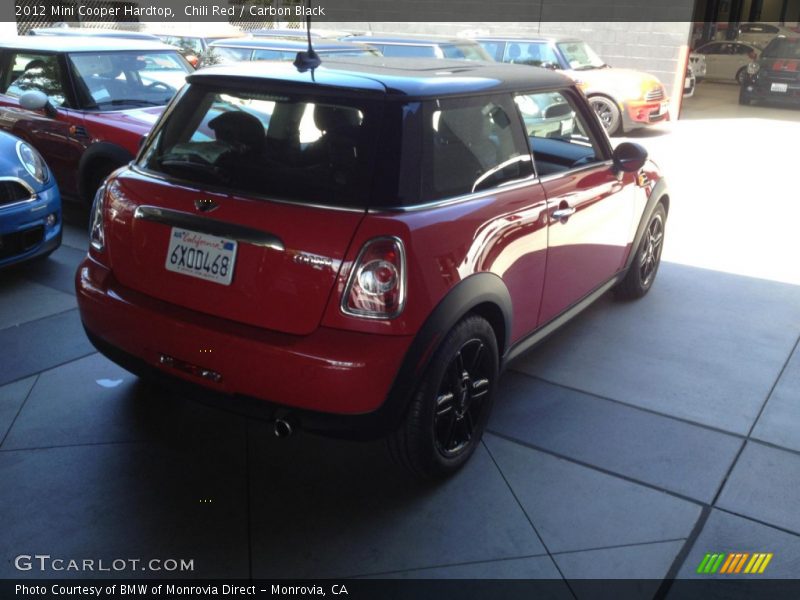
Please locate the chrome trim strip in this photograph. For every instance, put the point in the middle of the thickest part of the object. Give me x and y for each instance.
(220, 189)
(240, 233)
(33, 195)
(553, 176)
(512, 185)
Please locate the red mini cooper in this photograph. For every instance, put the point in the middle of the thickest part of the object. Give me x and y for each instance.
(359, 248)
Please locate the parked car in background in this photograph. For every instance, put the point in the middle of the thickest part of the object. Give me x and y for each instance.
(121, 34)
(193, 46)
(30, 205)
(423, 46)
(276, 48)
(727, 61)
(358, 249)
(761, 34)
(623, 99)
(85, 102)
(775, 76)
(282, 32)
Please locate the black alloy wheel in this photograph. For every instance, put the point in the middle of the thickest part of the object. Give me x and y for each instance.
(449, 410)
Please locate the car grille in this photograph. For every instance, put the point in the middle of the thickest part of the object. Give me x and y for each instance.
(12, 191)
(20, 242)
(654, 94)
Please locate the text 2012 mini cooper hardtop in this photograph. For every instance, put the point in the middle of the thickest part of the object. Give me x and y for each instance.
(362, 246)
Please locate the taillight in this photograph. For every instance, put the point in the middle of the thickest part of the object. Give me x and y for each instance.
(97, 233)
(376, 287)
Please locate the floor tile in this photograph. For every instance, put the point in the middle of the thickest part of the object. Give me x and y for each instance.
(325, 508)
(535, 567)
(127, 501)
(724, 533)
(90, 401)
(680, 350)
(22, 301)
(642, 561)
(682, 458)
(12, 396)
(765, 485)
(58, 271)
(42, 344)
(577, 508)
(779, 423)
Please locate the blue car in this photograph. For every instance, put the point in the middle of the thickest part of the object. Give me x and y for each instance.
(30, 204)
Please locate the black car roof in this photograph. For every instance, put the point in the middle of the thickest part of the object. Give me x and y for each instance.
(407, 77)
(77, 43)
(396, 38)
(282, 43)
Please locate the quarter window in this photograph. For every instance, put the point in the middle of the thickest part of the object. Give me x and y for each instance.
(471, 145)
(559, 136)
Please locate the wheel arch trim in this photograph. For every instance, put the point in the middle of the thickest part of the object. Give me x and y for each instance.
(100, 151)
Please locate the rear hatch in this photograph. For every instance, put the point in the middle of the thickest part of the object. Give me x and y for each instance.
(243, 204)
(780, 63)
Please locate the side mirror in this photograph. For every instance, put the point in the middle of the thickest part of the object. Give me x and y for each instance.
(36, 100)
(629, 157)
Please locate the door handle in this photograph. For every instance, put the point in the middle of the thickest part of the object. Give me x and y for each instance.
(563, 213)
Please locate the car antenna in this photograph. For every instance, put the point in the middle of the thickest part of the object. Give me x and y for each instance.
(308, 59)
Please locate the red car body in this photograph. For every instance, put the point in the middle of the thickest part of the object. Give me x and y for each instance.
(81, 142)
(282, 332)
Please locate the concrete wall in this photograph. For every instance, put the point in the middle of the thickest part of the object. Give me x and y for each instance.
(651, 47)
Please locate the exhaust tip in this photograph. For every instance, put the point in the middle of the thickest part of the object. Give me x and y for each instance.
(282, 428)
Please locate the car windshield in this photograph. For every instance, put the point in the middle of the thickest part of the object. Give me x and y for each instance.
(580, 56)
(113, 80)
(285, 147)
(782, 48)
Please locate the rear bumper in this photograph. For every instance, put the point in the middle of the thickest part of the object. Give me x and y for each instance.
(331, 380)
(762, 90)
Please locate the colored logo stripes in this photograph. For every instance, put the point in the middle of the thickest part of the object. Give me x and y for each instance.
(734, 562)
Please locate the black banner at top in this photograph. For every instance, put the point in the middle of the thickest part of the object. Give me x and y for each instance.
(167, 11)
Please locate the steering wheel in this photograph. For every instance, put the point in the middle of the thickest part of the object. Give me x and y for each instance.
(155, 85)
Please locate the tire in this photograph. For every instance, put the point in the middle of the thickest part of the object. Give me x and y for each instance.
(451, 404)
(608, 113)
(644, 267)
(97, 172)
(741, 76)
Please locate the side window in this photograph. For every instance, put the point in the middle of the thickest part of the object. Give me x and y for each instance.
(710, 49)
(267, 55)
(559, 137)
(472, 144)
(536, 54)
(495, 49)
(402, 50)
(30, 71)
(770, 29)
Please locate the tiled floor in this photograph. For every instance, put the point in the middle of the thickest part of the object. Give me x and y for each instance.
(631, 443)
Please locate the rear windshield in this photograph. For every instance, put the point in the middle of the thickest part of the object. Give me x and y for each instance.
(782, 48)
(288, 147)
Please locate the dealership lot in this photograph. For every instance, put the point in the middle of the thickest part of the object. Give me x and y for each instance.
(628, 445)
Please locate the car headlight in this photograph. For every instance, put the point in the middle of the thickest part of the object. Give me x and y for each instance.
(753, 68)
(32, 161)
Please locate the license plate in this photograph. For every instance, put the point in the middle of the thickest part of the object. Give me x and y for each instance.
(201, 255)
(779, 87)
